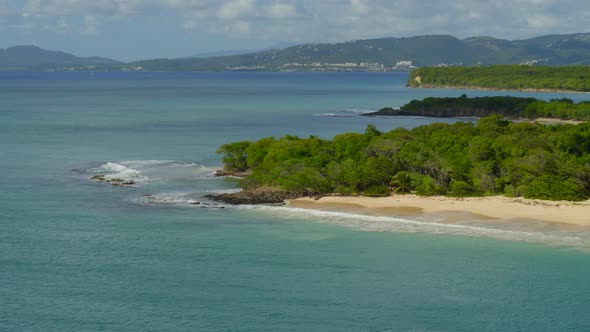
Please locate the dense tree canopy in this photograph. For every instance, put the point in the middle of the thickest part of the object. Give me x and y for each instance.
(491, 157)
(507, 106)
(508, 77)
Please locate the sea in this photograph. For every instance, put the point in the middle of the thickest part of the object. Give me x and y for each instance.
(83, 255)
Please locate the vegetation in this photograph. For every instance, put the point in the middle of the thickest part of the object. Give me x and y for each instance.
(423, 51)
(381, 54)
(511, 107)
(35, 58)
(507, 77)
(491, 157)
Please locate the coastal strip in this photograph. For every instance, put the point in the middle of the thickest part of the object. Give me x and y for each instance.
(483, 88)
(498, 207)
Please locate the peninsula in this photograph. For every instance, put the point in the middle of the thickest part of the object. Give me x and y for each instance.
(493, 168)
(507, 106)
(504, 77)
(490, 158)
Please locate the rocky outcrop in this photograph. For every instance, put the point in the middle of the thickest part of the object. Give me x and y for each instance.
(388, 112)
(117, 182)
(256, 196)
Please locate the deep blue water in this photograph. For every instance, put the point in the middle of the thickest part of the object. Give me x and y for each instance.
(78, 255)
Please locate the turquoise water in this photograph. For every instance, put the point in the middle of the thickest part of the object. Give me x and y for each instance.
(79, 255)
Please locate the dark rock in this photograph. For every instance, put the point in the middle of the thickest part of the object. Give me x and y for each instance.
(387, 112)
(255, 196)
(99, 177)
(128, 183)
(195, 203)
(116, 180)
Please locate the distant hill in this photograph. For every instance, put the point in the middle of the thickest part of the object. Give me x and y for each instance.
(384, 54)
(35, 58)
(387, 54)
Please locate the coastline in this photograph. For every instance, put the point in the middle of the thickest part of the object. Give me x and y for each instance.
(479, 88)
(492, 208)
(549, 121)
(396, 112)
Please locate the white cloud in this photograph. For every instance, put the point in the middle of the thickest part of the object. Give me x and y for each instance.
(60, 26)
(90, 25)
(235, 9)
(359, 6)
(281, 11)
(314, 20)
(542, 21)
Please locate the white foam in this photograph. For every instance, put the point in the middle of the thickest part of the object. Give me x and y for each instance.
(118, 171)
(145, 163)
(346, 113)
(175, 198)
(359, 110)
(425, 225)
(334, 115)
(142, 171)
(179, 199)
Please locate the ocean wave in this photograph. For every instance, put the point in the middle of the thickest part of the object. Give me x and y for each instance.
(430, 224)
(117, 171)
(335, 115)
(359, 110)
(179, 199)
(142, 171)
(346, 113)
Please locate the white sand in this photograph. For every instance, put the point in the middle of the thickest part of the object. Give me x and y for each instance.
(575, 213)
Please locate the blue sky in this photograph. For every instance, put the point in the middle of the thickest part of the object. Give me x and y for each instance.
(140, 29)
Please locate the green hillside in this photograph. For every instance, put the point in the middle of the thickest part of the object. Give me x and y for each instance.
(383, 54)
(507, 77)
(492, 157)
(389, 54)
(35, 58)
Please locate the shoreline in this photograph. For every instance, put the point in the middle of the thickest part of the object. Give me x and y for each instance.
(479, 88)
(492, 208)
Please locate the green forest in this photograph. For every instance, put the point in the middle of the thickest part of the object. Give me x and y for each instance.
(507, 77)
(511, 107)
(490, 157)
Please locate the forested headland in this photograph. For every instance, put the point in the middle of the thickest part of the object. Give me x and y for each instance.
(504, 77)
(491, 157)
(511, 107)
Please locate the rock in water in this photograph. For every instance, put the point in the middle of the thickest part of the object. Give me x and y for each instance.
(255, 196)
(99, 177)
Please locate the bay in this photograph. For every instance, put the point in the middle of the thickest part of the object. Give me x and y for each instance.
(79, 255)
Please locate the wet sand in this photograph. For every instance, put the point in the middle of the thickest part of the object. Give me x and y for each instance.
(495, 209)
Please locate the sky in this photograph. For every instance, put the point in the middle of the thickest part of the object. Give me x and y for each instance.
(143, 29)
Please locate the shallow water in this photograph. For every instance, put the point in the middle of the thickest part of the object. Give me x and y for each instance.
(82, 255)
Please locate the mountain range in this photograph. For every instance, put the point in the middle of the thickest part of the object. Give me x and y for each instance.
(28, 57)
(383, 54)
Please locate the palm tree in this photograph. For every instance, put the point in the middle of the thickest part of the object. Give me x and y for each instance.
(401, 182)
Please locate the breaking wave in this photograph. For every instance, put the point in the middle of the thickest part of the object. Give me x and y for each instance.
(118, 171)
(347, 113)
(179, 199)
(430, 224)
(143, 171)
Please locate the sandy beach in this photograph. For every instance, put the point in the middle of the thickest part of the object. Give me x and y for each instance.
(493, 208)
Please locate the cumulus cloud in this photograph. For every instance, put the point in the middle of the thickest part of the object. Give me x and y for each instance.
(314, 20)
(281, 11)
(236, 9)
